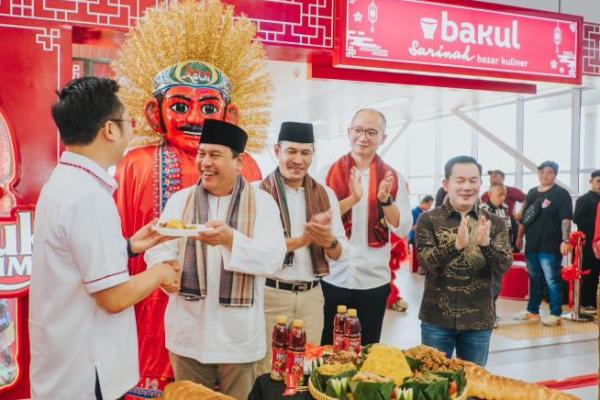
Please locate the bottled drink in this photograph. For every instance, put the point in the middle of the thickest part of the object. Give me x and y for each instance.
(279, 345)
(338, 328)
(295, 354)
(352, 332)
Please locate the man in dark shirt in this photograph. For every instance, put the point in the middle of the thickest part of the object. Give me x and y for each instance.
(440, 195)
(425, 205)
(546, 238)
(496, 205)
(585, 217)
(460, 245)
(513, 195)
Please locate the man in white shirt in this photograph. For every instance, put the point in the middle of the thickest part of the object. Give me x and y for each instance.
(215, 326)
(81, 323)
(310, 214)
(373, 202)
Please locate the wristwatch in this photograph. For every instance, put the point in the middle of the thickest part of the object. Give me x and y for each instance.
(388, 202)
(130, 252)
(333, 244)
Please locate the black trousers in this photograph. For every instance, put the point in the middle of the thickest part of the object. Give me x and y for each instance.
(589, 283)
(370, 304)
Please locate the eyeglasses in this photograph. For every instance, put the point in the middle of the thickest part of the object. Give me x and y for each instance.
(369, 133)
(131, 121)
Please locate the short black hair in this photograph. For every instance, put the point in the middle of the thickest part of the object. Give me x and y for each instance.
(426, 199)
(548, 164)
(460, 160)
(84, 105)
(595, 174)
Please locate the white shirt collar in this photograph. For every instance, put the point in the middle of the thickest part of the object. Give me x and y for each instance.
(98, 171)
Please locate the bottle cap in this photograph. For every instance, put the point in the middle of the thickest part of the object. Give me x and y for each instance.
(298, 323)
(281, 319)
(342, 309)
(352, 312)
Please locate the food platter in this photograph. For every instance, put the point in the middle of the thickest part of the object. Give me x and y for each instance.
(418, 373)
(381, 372)
(189, 230)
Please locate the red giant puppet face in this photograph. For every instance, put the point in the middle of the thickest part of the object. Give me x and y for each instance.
(185, 95)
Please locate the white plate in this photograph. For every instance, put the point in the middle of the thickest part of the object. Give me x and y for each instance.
(181, 232)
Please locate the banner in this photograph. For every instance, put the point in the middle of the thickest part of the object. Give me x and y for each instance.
(459, 38)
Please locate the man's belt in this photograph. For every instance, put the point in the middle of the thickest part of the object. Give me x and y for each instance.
(292, 287)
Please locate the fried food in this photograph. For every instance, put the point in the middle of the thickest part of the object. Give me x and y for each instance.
(175, 224)
(433, 359)
(370, 377)
(484, 385)
(335, 369)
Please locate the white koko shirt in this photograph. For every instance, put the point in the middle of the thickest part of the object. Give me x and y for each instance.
(302, 270)
(368, 267)
(205, 330)
(79, 250)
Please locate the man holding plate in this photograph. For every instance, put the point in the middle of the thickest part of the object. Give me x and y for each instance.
(215, 326)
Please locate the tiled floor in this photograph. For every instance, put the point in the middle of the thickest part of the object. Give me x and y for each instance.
(534, 360)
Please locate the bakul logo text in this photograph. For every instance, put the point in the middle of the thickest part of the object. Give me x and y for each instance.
(465, 32)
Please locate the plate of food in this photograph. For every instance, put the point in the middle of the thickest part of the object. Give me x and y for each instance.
(176, 228)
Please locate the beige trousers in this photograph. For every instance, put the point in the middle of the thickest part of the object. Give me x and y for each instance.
(307, 306)
(236, 380)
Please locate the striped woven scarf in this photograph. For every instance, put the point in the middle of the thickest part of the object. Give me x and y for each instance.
(316, 201)
(235, 289)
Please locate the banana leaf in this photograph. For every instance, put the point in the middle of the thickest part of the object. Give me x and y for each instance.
(459, 377)
(373, 391)
(428, 387)
(337, 388)
(316, 380)
(413, 363)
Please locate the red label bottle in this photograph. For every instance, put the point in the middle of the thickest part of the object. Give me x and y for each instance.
(279, 345)
(352, 334)
(338, 328)
(295, 354)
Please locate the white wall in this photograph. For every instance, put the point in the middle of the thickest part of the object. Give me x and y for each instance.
(588, 9)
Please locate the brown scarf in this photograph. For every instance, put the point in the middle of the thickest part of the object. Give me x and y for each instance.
(235, 289)
(316, 202)
(338, 179)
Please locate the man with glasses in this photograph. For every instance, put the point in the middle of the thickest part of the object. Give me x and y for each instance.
(81, 323)
(374, 202)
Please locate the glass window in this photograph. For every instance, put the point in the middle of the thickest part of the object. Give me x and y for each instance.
(422, 155)
(501, 122)
(590, 130)
(455, 138)
(548, 130)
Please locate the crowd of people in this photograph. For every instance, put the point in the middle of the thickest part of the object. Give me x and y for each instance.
(290, 244)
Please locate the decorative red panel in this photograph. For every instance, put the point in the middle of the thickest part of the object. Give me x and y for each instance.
(306, 23)
(591, 49)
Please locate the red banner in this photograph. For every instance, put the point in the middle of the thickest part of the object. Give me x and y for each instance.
(459, 38)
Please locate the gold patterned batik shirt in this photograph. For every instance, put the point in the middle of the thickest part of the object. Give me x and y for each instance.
(458, 285)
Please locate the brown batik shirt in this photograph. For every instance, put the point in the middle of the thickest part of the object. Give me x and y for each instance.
(458, 285)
